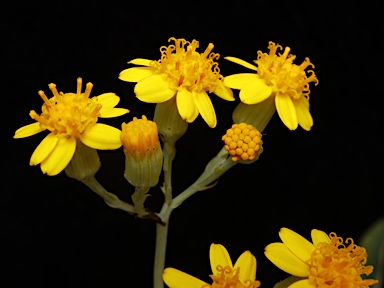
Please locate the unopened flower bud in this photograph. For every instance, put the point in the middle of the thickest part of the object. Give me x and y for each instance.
(143, 154)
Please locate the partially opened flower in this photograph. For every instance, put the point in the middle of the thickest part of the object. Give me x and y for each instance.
(182, 73)
(276, 76)
(71, 117)
(327, 262)
(240, 275)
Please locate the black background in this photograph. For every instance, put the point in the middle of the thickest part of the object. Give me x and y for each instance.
(56, 233)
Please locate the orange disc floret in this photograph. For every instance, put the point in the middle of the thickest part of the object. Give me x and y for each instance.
(242, 141)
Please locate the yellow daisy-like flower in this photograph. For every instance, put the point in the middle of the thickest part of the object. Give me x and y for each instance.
(277, 76)
(71, 117)
(182, 73)
(240, 275)
(327, 262)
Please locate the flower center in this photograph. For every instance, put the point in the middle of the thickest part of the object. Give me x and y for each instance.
(242, 141)
(339, 265)
(139, 135)
(229, 278)
(285, 77)
(67, 114)
(183, 67)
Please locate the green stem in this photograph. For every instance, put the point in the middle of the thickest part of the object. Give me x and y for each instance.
(111, 199)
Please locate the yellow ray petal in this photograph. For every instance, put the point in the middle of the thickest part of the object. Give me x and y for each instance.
(319, 236)
(153, 89)
(284, 259)
(101, 136)
(255, 91)
(247, 264)
(28, 130)
(218, 255)
(177, 279)
(238, 81)
(136, 74)
(205, 108)
(140, 61)
(298, 245)
(185, 104)
(60, 156)
(286, 111)
(241, 62)
(108, 100)
(44, 149)
(301, 284)
(112, 112)
(224, 92)
(302, 111)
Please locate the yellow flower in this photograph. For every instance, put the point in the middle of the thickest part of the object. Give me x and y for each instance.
(240, 275)
(243, 142)
(277, 76)
(71, 117)
(182, 73)
(327, 262)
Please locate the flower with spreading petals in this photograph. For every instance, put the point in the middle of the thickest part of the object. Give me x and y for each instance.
(276, 76)
(182, 73)
(327, 262)
(71, 117)
(240, 275)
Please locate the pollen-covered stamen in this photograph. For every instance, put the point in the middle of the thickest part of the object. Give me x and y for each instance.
(68, 114)
(242, 141)
(334, 265)
(229, 278)
(184, 68)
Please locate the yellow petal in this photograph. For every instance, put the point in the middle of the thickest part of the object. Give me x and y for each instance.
(302, 111)
(247, 264)
(224, 92)
(205, 108)
(136, 74)
(44, 149)
(298, 245)
(241, 62)
(60, 156)
(286, 111)
(140, 61)
(284, 259)
(238, 81)
(112, 112)
(177, 279)
(319, 236)
(28, 130)
(101, 136)
(108, 100)
(153, 89)
(255, 91)
(218, 255)
(185, 104)
(301, 284)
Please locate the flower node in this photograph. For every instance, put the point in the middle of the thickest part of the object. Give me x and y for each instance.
(282, 75)
(229, 278)
(140, 135)
(242, 141)
(183, 67)
(68, 114)
(338, 264)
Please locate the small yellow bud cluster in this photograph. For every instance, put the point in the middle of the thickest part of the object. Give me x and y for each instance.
(242, 141)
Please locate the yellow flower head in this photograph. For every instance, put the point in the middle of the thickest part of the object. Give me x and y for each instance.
(277, 76)
(183, 73)
(225, 274)
(327, 262)
(143, 154)
(242, 141)
(71, 117)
